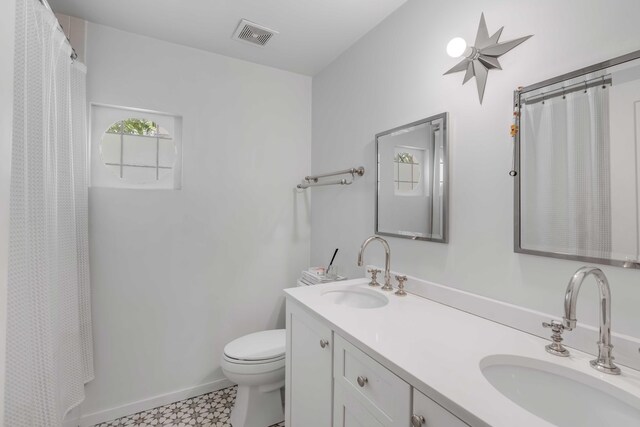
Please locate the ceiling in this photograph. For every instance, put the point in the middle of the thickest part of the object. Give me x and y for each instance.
(312, 32)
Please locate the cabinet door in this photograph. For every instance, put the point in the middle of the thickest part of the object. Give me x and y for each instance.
(309, 380)
(431, 414)
(349, 412)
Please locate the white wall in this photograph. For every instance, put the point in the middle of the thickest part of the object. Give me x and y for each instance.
(76, 30)
(7, 24)
(393, 76)
(178, 274)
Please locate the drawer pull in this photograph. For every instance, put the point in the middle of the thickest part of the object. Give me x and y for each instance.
(324, 343)
(417, 421)
(362, 381)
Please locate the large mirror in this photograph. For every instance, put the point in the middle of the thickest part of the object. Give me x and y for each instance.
(577, 158)
(411, 176)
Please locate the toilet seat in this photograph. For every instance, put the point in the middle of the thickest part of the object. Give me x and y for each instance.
(249, 369)
(256, 348)
(252, 362)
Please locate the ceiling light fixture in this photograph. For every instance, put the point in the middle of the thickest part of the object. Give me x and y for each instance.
(456, 47)
(482, 56)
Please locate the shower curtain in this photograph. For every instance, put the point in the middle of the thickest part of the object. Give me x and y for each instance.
(49, 343)
(565, 179)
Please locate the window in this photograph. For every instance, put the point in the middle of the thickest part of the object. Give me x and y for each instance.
(138, 150)
(135, 149)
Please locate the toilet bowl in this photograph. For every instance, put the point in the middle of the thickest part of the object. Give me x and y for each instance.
(256, 363)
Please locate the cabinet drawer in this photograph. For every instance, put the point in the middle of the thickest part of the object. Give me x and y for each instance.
(433, 414)
(384, 394)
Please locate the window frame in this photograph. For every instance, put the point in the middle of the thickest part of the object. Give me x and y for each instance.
(102, 118)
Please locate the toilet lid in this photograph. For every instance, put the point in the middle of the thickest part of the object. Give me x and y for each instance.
(264, 345)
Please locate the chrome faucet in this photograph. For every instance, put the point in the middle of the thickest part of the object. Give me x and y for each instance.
(604, 362)
(387, 260)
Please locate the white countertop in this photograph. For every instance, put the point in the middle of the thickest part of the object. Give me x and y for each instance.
(438, 349)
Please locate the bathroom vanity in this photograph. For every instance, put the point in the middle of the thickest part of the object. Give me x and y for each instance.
(359, 356)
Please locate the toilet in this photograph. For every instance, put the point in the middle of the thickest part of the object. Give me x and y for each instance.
(256, 363)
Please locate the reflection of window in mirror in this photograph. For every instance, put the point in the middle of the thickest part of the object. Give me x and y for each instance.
(408, 163)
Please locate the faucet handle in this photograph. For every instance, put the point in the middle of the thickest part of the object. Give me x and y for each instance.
(374, 275)
(556, 348)
(401, 279)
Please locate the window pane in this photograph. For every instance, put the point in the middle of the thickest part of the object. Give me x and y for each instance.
(163, 132)
(139, 127)
(115, 128)
(405, 171)
(110, 148)
(404, 186)
(162, 173)
(167, 152)
(139, 150)
(114, 169)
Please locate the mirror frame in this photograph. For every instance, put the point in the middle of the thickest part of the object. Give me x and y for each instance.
(445, 188)
(517, 246)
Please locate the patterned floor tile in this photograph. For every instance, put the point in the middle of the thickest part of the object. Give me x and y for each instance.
(209, 410)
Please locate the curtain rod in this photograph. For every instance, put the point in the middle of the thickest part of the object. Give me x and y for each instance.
(46, 4)
(576, 87)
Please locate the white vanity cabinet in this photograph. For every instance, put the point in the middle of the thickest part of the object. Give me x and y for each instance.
(428, 413)
(309, 384)
(332, 383)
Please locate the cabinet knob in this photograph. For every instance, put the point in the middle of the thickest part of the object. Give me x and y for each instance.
(417, 421)
(362, 381)
(324, 343)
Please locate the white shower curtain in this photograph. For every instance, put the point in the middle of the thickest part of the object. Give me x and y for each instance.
(49, 343)
(565, 174)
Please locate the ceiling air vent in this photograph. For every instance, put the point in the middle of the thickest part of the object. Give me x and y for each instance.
(255, 34)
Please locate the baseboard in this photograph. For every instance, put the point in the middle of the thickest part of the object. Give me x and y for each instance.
(89, 420)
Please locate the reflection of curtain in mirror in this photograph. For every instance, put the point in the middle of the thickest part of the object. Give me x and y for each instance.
(565, 175)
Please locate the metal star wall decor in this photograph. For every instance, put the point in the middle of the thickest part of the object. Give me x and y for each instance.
(483, 56)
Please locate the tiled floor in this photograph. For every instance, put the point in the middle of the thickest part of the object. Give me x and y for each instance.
(208, 410)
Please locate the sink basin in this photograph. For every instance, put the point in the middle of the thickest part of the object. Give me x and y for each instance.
(356, 298)
(560, 395)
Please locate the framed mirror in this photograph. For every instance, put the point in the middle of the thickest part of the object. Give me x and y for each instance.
(412, 180)
(577, 158)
